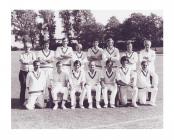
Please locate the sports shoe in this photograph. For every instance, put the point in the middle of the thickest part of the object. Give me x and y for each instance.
(105, 106)
(98, 106)
(64, 107)
(81, 106)
(135, 105)
(73, 107)
(152, 104)
(29, 108)
(90, 106)
(112, 106)
(55, 107)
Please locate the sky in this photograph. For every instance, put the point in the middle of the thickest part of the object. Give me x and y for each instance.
(104, 15)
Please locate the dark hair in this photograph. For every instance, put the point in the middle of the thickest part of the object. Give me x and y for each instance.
(143, 62)
(77, 62)
(58, 62)
(109, 61)
(123, 59)
(35, 61)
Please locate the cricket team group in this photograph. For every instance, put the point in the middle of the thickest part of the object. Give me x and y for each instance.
(98, 75)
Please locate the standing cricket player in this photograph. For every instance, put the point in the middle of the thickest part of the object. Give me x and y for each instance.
(59, 86)
(126, 79)
(76, 84)
(65, 54)
(131, 55)
(108, 83)
(144, 84)
(111, 53)
(26, 65)
(95, 54)
(35, 83)
(148, 55)
(80, 55)
(93, 78)
(46, 59)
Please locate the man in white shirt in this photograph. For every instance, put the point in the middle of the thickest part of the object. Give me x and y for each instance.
(26, 65)
(95, 54)
(131, 55)
(76, 84)
(35, 83)
(59, 86)
(112, 53)
(46, 59)
(80, 55)
(126, 79)
(64, 54)
(108, 83)
(93, 78)
(148, 55)
(144, 84)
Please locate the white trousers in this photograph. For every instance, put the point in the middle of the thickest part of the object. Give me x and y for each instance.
(73, 96)
(58, 90)
(125, 90)
(113, 89)
(48, 73)
(142, 95)
(97, 89)
(35, 98)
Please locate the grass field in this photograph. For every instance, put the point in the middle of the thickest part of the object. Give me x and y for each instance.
(120, 117)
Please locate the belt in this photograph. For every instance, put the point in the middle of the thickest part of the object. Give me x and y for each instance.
(46, 67)
(38, 91)
(140, 88)
(98, 66)
(66, 64)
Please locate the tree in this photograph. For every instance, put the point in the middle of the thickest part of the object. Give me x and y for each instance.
(66, 22)
(24, 24)
(48, 25)
(90, 32)
(112, 28)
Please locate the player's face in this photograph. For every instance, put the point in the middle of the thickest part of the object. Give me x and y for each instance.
(95, 43)
(78, 48)
(92, 66)
(125, 63)
(36, 66)
(147, 45)
(144, 66)
(110, 43)
(77, 66)
(65, 42)
(129, 47)
(109, 65)
(28, 47)
(46, 45)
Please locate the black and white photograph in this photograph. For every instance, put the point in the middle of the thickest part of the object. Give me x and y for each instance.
(86, 69)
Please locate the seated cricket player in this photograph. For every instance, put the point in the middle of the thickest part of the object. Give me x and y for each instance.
(59, 86)
(46, 59)
(95, 54)
(144, 84)
(126, 79)
(108, 83)
(131, 55)
(111, 53)
(93, 78)
(76, 84)
(35, 84)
